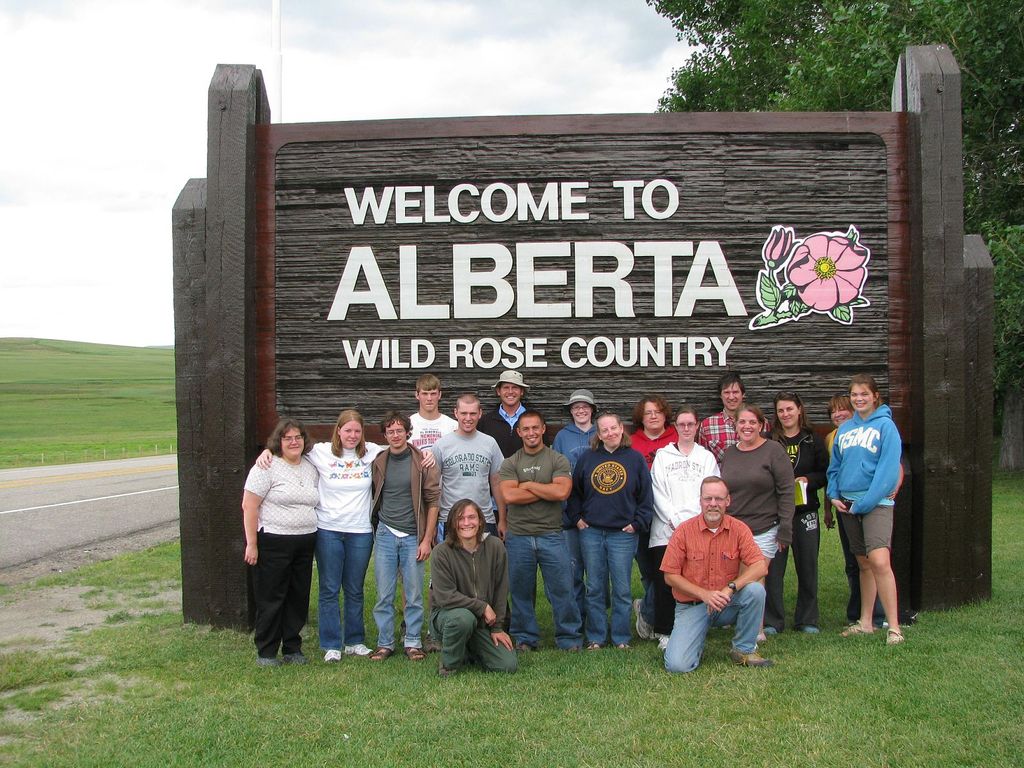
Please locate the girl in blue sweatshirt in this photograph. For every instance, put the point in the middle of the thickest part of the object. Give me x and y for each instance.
(864, 471)
(612, 501)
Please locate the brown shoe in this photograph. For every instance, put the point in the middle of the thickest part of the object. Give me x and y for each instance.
(749, 659)
(431, 645)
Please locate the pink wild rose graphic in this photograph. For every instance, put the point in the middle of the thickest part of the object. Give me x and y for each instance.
(823, 273)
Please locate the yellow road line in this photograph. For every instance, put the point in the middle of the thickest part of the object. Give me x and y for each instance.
(54, 479)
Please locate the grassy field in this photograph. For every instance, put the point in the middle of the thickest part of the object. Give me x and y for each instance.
(63, 401)
(147, 691)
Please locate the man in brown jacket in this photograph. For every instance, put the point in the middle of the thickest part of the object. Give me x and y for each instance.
(404, 518)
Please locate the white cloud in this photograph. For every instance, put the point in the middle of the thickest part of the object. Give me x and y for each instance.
(105, 117)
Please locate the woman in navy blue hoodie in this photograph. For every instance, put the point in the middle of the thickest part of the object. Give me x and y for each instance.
(612, 501)
(864, 471)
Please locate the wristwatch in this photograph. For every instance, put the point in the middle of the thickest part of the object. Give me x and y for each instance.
(732, 586)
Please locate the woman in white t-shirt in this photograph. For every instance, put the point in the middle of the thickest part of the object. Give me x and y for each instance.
(344, 534)
(279, 517)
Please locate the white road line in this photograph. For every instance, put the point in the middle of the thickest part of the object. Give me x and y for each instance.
(83, 501)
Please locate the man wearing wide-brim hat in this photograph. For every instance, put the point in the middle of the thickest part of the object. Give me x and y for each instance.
(500, 423)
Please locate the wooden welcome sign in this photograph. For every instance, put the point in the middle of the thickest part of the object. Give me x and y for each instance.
(326, 266)
(637, 253)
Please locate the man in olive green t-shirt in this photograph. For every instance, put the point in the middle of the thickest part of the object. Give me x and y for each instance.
(535, 480)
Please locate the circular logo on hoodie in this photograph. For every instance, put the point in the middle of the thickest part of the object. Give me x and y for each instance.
(608, 478)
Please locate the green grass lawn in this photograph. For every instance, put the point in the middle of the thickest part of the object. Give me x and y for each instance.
(148, 691)
(63, 401)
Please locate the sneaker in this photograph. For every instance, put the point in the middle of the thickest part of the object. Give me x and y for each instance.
(294, 658)
(357, 650)
(643, 630)
(809, 629)
(332, 656)
(268, 661)
(662, 642)
(749, 659)
(768, 631)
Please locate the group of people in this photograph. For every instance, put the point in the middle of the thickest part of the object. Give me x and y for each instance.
(708, 509)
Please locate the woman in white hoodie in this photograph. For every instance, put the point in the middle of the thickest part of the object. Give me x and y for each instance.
(676, 475)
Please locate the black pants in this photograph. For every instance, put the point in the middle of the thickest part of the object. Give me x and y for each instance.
(664, 602)
(806, 540)
(645, 562)
(281, 579)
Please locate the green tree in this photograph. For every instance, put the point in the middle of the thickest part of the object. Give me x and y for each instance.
(1006, 243)
(840, 55)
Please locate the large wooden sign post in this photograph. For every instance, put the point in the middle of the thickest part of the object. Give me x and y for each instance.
(326, 266)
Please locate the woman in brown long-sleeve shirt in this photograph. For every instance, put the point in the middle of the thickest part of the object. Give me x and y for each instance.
(759, 475)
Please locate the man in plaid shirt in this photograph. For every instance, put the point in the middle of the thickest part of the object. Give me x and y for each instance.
(718, 431)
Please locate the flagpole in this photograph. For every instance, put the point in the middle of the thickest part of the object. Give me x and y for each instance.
(277, 108)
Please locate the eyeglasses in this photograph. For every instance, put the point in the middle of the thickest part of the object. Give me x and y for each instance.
(686, 425)
(396, 432)
(291, 439)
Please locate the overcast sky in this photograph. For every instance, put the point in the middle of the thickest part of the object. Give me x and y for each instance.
(105, 116)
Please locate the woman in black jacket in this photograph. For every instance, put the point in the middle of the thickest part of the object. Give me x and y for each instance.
(807, 451)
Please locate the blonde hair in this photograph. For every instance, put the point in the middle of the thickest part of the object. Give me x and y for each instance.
(344, 418)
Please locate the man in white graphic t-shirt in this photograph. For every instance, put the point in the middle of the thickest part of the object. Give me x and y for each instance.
(428, 424)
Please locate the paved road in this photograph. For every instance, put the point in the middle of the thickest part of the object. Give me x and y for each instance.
(56, 516)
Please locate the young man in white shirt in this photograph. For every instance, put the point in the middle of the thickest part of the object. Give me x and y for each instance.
(428, 424)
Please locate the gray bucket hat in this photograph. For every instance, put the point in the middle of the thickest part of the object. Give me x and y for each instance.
(511, 377)
(581, 396)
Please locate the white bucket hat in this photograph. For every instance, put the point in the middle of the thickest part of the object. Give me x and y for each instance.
(511, 377)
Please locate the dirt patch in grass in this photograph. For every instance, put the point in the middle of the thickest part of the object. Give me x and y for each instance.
(45, 616)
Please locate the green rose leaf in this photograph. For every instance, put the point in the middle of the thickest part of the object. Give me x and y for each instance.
(842, 313)
(765, 319)
(768, 291)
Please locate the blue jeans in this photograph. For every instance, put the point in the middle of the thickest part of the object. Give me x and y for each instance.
(548, 551)
(571, 536)
(396, 553)
(608, 555)
(686, 643)
(341, 562)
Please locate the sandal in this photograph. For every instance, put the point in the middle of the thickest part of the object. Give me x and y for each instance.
(894, 637)
(856, 629)
(415, 654)
(594, 646)
(381, 654)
